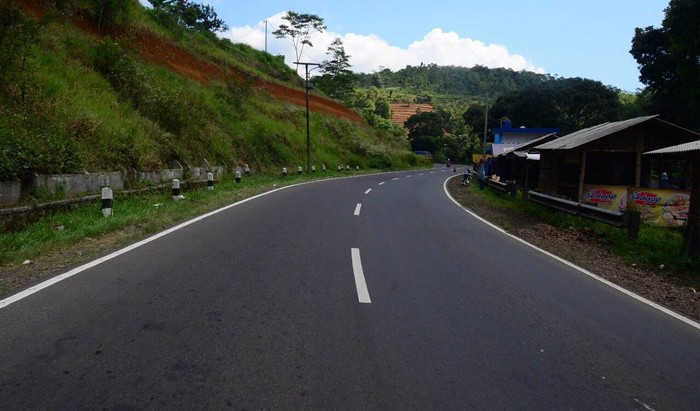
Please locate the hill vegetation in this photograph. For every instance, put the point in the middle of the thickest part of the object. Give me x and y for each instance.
(102, 85)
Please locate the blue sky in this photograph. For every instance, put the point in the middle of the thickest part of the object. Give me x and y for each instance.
(588, 39)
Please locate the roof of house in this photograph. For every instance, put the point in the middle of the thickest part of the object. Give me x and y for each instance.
(680, 148)
(587, 135)
(521, 150)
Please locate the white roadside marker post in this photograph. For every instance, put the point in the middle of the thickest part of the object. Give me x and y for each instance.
(176, 190)
(107, 202)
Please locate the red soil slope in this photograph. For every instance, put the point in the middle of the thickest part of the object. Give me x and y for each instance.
(400, 112)
(199, 68)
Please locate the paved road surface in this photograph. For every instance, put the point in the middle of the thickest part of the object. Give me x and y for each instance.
(263, 306)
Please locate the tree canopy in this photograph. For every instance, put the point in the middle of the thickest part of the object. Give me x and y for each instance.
(427, 124)
(299, 29)
(189, 14)
(337, 80)
(570, 104)
(669, 63)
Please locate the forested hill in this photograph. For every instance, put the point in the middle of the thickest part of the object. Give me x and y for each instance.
(452, 80)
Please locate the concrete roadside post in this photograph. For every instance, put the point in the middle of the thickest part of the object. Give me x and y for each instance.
(176, 190)
(210, 181)
(107, 202)
(238, 176)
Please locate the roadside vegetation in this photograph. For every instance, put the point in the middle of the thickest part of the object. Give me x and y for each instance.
(79, 92)
(659, 249)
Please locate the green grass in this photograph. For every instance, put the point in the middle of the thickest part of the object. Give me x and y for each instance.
(654, 247)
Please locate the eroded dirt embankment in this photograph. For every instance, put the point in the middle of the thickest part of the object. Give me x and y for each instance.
(162, 52)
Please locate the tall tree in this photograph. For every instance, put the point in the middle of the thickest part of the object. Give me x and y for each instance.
(337, 80)
(299, 29)
(669, 63)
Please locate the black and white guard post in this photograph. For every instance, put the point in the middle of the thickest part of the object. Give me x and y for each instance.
(300, 170)
(210, 181)
(107, 202)
(340, 168)
(284, 171)
(313, 169)
(246, 168)
(323, 166)
(176, 190)
(238, 176)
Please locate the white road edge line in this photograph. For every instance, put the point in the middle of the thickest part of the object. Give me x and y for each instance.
(357, 208)
(360, 284)
(48, 283)
(368, 190)
(574, 266)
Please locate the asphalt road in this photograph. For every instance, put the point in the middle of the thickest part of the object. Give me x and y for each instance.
(262, 306)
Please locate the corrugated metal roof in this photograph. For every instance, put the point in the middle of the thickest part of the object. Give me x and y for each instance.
(680, 148)
(587, 135)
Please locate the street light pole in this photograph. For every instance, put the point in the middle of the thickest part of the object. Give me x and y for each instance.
(308, 133)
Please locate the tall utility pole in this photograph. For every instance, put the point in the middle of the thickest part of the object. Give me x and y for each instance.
(308, 133)
(486, 121)
(265, 36)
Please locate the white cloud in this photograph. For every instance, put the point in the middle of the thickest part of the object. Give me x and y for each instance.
(370, 52)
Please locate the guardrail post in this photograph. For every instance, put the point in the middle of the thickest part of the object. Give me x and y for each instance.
(513, 189)
(633, 220)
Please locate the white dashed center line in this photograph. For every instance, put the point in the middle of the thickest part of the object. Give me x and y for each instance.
(360, 284)
(357, 209)
(368, 190)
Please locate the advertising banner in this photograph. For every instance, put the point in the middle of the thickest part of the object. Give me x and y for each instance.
(657, 206)
(612, 198)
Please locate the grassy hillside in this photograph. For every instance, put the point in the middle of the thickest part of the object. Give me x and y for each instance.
(78, 94)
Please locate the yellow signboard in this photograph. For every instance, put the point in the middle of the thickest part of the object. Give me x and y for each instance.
(609, 197)
(658, 206)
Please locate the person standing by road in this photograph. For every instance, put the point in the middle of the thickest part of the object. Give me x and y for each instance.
(481, 176)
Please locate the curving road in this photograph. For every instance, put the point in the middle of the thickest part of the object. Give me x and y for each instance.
(374, 292)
